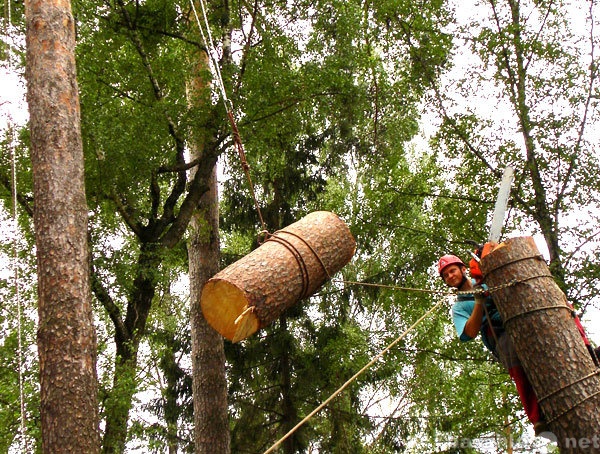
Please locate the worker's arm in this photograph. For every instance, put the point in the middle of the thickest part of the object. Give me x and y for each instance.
(473, 324)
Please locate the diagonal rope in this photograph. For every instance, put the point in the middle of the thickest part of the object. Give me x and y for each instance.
(397, 287)
(213, 64)
(355, 376)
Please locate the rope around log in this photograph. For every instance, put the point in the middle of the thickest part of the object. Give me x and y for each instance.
(299, 260)
(538, 309)
(579, 380)
(298, 256)
(560, 415)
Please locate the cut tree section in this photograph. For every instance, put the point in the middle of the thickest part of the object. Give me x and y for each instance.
(289, 266)
(539, 322)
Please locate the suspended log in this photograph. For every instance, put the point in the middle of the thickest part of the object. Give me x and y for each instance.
(539, 322)
(289, 266)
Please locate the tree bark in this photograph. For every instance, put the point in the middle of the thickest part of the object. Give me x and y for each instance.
(540, 324)
(291, 265)
(66, 335)
(211, 423)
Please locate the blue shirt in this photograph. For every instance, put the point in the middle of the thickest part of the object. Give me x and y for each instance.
(462, 310)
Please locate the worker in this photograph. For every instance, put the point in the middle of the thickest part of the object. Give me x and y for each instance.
(475, 313)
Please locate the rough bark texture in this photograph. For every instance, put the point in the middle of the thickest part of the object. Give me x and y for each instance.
(291, 265)
(209, 385)
(66, 336)
(211, 425)
(540, 324)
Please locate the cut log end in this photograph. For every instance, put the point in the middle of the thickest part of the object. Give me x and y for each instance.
(226, 309)
(254, 291)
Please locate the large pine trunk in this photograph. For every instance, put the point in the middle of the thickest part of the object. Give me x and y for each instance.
(66, 336)
(540, 324)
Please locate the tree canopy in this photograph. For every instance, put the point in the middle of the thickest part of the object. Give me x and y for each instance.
(399, 116)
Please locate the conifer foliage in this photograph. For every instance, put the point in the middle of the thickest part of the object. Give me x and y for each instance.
(330, 98)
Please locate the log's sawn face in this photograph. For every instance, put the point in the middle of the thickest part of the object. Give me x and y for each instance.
(292, 264)
(539, 323)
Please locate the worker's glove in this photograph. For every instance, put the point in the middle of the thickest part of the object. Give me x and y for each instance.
(480, 293)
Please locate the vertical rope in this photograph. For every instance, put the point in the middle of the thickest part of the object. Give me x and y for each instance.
(15, 264)
(15, 238)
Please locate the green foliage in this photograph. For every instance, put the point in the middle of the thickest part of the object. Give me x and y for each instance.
(327, 96)
(10, 409)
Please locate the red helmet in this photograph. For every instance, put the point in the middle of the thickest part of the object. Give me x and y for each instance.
(448, 260)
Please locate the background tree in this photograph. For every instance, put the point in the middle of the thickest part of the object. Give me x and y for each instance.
(211, 424)
(523, 92)
(537, 60)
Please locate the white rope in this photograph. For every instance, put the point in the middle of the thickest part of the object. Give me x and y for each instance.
(354, 377)
(213, 61)
(15, 263)
(15, 248)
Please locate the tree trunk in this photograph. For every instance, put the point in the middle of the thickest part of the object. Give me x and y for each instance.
(128, 335)
(540, 324)
(211, 423)
(119, 402)
(289, 416)
(291, 265)
(66, 336)
(172, 372)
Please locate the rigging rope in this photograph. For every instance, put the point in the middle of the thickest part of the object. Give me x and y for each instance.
(355, 376)
(391, 345)
(17, 293)
(213, 64)
(15, 248)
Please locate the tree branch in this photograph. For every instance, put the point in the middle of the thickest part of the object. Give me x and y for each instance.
(102, 295)
(21, 199)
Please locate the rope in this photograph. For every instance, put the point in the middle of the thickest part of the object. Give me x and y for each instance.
(276, 237)
(213, 64)
(351, 379)
(299, 259)
(537, 309)
(15, 253)
(579, 380)
(560, 415)
(475, 291)
(396, 287)
(15, 248)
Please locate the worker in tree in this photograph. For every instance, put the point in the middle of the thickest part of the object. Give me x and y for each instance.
(475, 313)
